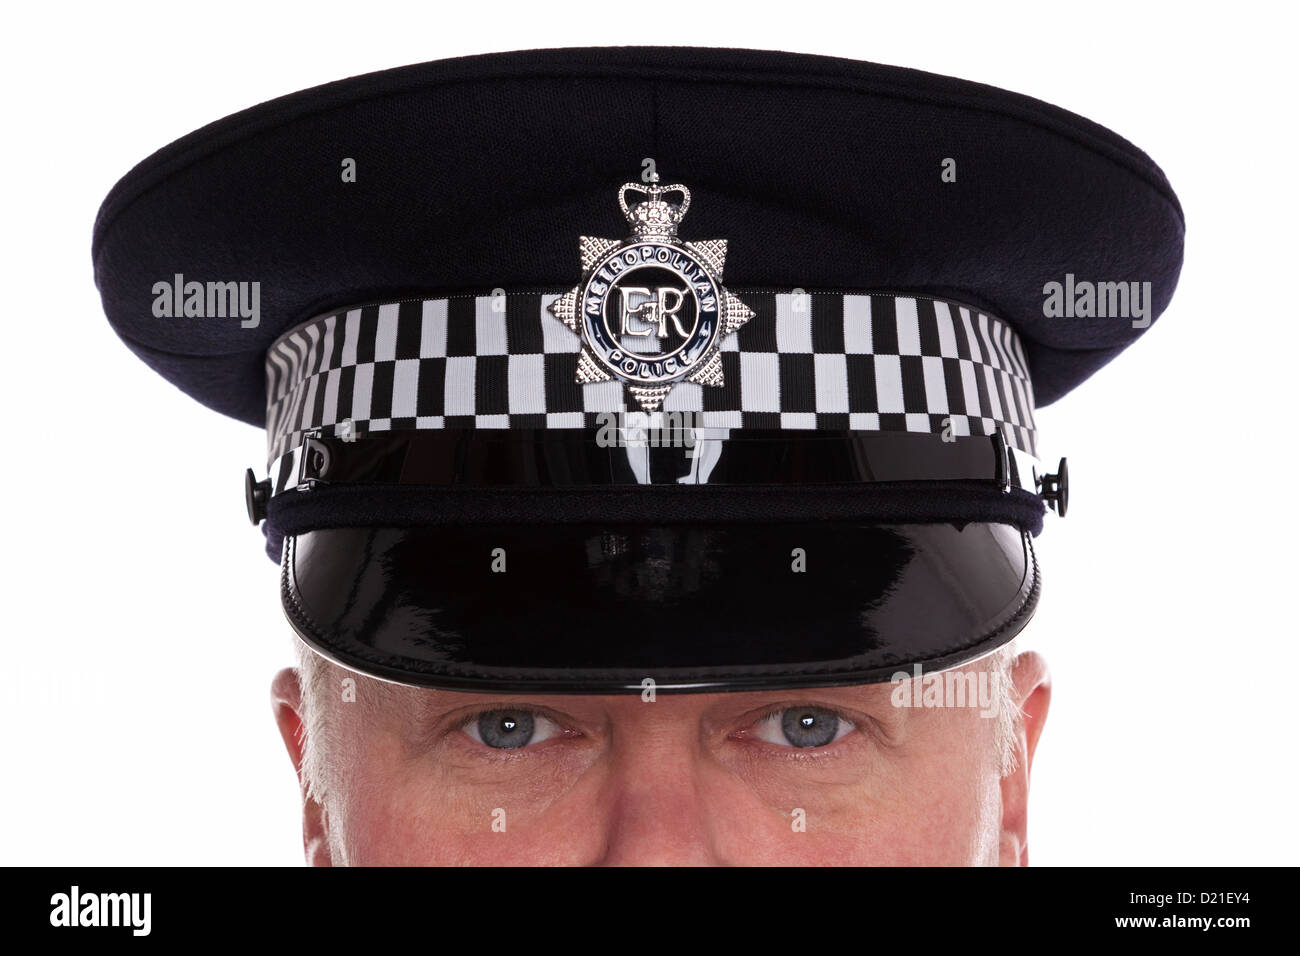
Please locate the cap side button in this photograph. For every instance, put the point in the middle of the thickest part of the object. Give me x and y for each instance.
(1056, 489)
(256, 494)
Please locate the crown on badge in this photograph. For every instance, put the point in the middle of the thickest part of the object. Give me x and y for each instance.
(654, 216)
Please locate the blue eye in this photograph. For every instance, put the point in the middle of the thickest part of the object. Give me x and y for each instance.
(510, 729)
(802, 727)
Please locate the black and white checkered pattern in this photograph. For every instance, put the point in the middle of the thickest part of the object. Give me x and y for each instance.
(816, 360)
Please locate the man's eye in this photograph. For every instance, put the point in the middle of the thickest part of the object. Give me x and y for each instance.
(510, 729)
(802, 727)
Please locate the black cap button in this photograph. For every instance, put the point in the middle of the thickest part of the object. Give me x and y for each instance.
(1056, 489)
(256, 494)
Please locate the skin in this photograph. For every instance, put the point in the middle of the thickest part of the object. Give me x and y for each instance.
(685, 780)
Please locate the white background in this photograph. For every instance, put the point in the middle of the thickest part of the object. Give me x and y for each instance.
(135, 724)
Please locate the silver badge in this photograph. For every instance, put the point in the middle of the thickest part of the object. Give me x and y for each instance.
(651, 310)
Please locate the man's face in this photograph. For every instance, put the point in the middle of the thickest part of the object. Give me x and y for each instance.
(813, 777)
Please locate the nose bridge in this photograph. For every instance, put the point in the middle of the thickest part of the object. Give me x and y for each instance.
(659, 812)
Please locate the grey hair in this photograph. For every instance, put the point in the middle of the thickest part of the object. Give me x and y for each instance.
(1010, 718)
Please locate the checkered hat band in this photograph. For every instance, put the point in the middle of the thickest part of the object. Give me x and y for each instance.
(819, 360)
